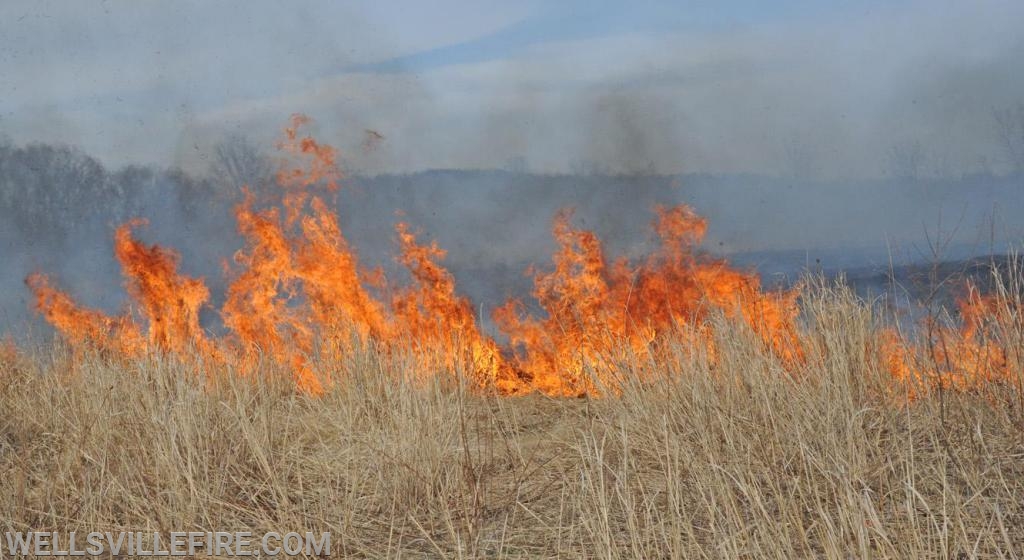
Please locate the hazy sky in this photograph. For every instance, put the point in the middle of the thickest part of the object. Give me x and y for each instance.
(824, 88)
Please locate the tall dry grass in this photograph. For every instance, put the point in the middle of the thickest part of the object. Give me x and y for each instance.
(736, 459)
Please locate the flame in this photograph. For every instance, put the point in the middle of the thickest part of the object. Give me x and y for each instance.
(257, 307)
(440, 323)
(299, 298)
(169, 301)
(976, 354)
(79, 325)
(599, 314)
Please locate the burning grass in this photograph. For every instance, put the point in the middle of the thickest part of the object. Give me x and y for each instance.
(714, 418)
(730, 457)
(298, 297)
(297, 289)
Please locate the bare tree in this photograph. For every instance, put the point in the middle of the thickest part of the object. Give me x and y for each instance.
(48, 192)
(238, 162)
(1010, 127)
(907, 161)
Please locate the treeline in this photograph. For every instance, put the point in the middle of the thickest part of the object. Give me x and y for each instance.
(59, 206)
(48, 192)
(51, 194)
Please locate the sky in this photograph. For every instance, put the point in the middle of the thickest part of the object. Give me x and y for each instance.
(794, 87)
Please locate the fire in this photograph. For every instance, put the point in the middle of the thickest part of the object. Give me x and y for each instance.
(256, 310)
(439, 323)
(985, 349)
(597, 313)
(298, 297)
(169, 301)
(79, 325)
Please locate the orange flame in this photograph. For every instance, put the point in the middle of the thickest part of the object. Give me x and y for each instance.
(80, 325)
(170, 302)
(976, 354)
(441, 323)
(595, 312)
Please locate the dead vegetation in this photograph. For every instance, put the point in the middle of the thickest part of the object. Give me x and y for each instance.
(736, 457)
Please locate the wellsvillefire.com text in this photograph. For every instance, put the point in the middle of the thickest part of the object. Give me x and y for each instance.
(175, 543)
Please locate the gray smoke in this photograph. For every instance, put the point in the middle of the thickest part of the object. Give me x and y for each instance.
(811, 137)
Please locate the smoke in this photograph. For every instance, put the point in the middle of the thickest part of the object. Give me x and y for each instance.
(847, 135)
(823, 93)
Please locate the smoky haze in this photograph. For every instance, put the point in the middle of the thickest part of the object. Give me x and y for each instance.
(799, 88)
(846, 136)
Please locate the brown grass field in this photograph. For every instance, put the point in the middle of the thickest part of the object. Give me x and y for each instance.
(739, 458)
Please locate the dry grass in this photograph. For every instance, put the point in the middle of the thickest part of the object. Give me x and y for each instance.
(735, 460)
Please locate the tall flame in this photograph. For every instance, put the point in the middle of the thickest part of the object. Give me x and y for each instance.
(596, 311)
(440, 322)
(169, 301)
